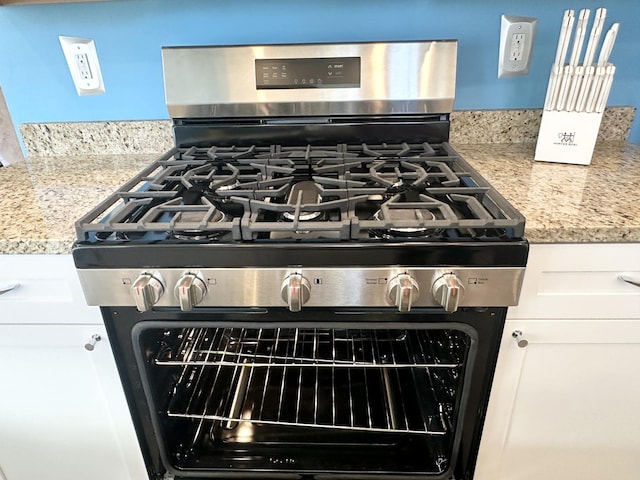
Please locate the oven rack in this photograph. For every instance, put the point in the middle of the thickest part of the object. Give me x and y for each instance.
(316, 348)
(400, 397)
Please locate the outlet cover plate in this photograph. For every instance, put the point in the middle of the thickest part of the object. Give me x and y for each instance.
(82, 60)
(517, 35)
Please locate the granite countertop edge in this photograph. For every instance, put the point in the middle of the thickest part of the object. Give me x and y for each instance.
(544, 189)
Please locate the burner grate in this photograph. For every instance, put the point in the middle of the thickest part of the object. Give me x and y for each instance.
(351, 192)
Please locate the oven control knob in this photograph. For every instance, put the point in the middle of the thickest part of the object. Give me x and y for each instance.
(402, 292)
(295, 291)
(190, 290)
(147, 290)
(448, 291)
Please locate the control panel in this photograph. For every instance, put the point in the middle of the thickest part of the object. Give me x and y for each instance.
(403, 288)
(287, 73)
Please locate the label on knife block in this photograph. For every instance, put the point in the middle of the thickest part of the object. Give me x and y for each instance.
(567, 137)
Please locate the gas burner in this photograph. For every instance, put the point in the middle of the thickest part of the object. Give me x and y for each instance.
(198, 233)
(303, 193)
(400, 215)
(304, 217)
(392, 234)
(405, 215)
(227, 187)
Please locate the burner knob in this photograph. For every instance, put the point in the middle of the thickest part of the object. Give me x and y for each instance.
(190, 290)
(147, 290)
(402, 291)
(448, 291)
(295, 291)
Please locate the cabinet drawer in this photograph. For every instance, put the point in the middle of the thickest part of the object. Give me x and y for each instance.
(47, 291)
(580, 281)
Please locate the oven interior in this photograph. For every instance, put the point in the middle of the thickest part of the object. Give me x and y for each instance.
(306, 400)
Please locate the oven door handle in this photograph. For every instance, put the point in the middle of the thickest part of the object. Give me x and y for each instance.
(629, 279)
(8, 287)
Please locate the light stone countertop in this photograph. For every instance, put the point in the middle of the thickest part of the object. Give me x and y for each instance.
(42, 197)
(567, 203)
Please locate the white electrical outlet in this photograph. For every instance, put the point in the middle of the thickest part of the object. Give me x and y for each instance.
(82, 60)
(516, 44)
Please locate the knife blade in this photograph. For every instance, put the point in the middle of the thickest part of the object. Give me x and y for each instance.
(607, 45)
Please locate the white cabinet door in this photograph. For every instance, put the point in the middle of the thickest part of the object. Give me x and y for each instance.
(565, 407)
(580, 281)
(46, 290)
(62, 411)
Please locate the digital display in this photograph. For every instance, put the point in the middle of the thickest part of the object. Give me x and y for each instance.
(290, 73)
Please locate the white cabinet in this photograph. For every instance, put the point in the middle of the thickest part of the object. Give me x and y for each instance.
(565, 406)
(580, 281)
(42, 289)
(63, 415)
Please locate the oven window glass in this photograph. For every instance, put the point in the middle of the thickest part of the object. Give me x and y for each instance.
(306, 399)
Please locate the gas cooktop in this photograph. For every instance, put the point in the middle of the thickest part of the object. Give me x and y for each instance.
(356, 192)
(279, 186)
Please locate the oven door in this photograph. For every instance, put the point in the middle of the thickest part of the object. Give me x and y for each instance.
(270, 393)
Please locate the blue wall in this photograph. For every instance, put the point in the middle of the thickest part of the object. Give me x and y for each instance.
(129, 34)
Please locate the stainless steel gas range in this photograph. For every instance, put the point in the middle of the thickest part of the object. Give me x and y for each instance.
(312, 283)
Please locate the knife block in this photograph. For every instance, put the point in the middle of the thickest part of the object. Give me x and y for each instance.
(10, 150)
(567, 137)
